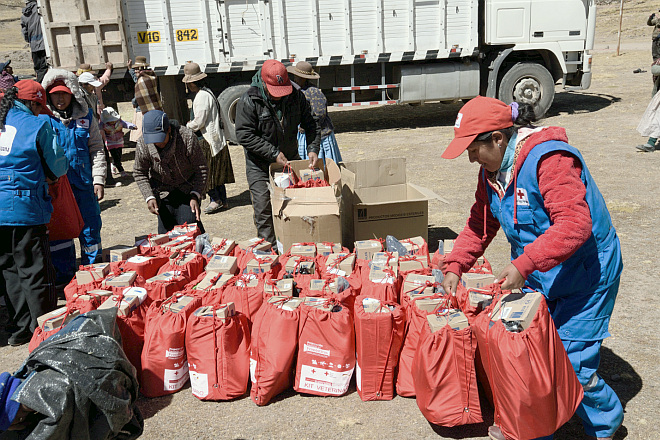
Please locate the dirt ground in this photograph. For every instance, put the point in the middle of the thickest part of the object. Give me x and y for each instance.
(600, 122)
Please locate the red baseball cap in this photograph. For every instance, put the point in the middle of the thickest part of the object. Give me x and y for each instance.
(479, 115)
(276, 78)
(59, 86)
(31, 90)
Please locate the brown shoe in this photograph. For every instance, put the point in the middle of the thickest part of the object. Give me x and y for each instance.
(495, 433)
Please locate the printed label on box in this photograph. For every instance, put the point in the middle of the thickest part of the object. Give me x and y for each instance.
(505, 313)
(175, 379)
(310, 347)
(138, 259)
(336, 271)
(199, 383)
(324, 381)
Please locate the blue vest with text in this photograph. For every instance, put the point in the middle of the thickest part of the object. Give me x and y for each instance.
(74, 140)
(576, 285)
(24, 199)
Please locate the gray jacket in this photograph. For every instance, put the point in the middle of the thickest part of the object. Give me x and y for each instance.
(31, 26)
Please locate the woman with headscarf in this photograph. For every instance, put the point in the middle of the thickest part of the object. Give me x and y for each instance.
(206, 121)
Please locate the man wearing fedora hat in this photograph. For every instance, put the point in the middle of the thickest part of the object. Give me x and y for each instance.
(206, 122)
(267, 119)
(303, 72)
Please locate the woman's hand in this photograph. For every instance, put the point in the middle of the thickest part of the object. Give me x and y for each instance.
(512, 278)
(450, 283)
(99, 190)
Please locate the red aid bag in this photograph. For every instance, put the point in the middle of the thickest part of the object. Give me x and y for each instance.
(273, 349)
(378, 341)
(326, 348)
(444, 376)
(164, 365)
(545, 382)
(246, 291)
(188, 264)
(218, 355)
(145, 266)
(66, 222)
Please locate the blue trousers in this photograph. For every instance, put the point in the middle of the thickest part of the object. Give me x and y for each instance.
(63, 252)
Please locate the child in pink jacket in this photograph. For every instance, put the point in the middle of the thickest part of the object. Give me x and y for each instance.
(112, 129)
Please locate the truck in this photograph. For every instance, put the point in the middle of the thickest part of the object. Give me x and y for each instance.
(368, 52)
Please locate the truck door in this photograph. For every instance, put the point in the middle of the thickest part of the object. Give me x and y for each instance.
(508, 21)
(558, 20)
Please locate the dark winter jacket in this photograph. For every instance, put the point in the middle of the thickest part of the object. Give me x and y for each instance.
(263, 136)
(31, 26)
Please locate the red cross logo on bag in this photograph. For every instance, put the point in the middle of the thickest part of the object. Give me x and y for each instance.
(521, 197)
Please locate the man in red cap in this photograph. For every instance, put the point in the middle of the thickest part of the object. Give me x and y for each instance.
(29, 156)
(267, 119)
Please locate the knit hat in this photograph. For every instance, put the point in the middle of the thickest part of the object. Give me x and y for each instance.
(276, 78)
(479, 115)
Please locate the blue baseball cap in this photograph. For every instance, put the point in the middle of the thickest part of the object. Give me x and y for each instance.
(154, 126)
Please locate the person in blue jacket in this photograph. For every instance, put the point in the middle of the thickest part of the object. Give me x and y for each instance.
(29, 156)
(81, 140)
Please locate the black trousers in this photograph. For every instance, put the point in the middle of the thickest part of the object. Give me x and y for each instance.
(40, 64)
(175, 210)
(27, 276)
(263, 210)
(116, 158)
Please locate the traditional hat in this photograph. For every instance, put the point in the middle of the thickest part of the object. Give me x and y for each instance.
(85, 67)
(140, 61)
(192, 73)
(303, 69)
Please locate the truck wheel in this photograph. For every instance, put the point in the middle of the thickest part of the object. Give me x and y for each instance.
(529, 83)
(228, 100)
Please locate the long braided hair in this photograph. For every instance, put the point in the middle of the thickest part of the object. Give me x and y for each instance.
(6, 104)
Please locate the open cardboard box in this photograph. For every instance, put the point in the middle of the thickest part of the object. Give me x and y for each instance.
(303, 215)
(377, 200)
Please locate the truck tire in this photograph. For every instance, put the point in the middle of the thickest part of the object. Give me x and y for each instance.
(228, 100)
(529, 83)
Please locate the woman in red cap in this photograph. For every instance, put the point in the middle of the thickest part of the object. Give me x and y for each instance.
(29, 156)
(537, 188)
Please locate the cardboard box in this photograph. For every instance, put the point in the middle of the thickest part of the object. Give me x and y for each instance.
(125, 279)
(181, 258)
(191, 228)
(94, 294)
(431, 304)
(383, 274)
(299, 265)
(222, 246)
(247, 280)
(386, 258)
(311, 174)
(320, 286)
(478, 299)
(282, 287)
(321, 304)
(125, 307)
(55, 319)
(377, 200)
(327, 248)
(207, 282)
(413, 244)
(365, 249)
(413, 262)
(181, 242)
(303, 250)
(91, 273)
(518, 307)
(445, 246)
(223, 311)
(286, 302)
(344, 267)
(455, 319)
(119, 253)
(261, 263)
(283, 180)
(166, 277)
(255, 244)
(415, 284)
(477, 280)
(222, 264)
(306, 215)
(373, 305)
(179, 305)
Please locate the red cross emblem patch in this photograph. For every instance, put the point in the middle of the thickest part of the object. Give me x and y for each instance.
(521, 197)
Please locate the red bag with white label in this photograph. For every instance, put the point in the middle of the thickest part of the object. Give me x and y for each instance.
(273, 350)
(378, 341)
(444, 377)
(146, 267)
(326, 349)
(246, 291)
(131, 328)
(190, 270)
(164, 365)
(218, 355)
(545, 382)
